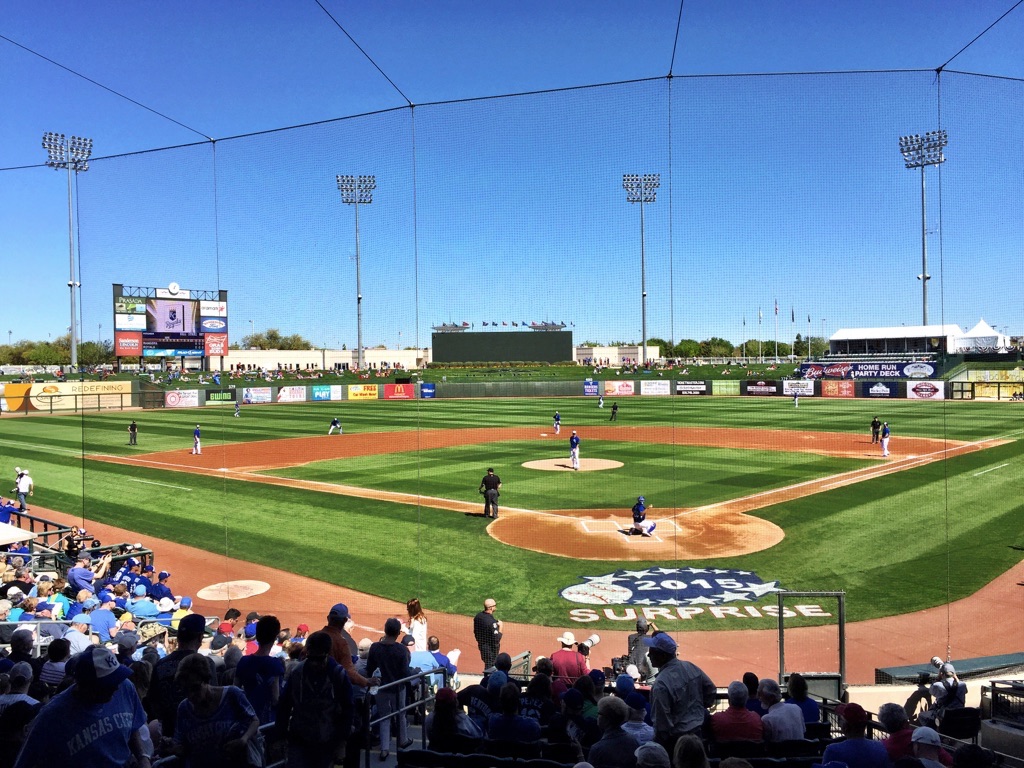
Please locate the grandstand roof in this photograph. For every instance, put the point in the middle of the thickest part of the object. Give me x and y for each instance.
(897, 332)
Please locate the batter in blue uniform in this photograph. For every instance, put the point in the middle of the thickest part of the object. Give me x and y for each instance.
(574, 450)
(640, 524)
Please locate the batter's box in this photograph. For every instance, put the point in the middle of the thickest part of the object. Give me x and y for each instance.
(621, 528)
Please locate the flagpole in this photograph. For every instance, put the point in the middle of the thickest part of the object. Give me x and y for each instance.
(808, 337)
(760, 350)
(744, 342)
(776, 330)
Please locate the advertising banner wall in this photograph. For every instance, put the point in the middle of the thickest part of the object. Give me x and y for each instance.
(659, 387)
(213, 324)
(692, 388)
(67, 396)
(888, 370)
(926, 390)
(127, 344)
(292, 394)
(428, 391)
(399, 391)
(253, 395)
(591, 388)
(215, 344)
(800, 387)
(326, 392)
(761, 388)
(213, 308)
(879, 389)
(831, 388)
(363, 391)
(129, 323)
(220, 395)
(182, 398)
(619, 388)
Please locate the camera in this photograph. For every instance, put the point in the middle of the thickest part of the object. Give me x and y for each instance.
(584, 646)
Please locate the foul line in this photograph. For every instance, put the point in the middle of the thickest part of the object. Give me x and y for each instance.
(153, 482)
(991, 469)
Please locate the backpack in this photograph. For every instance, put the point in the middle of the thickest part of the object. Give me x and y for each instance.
(315, 710)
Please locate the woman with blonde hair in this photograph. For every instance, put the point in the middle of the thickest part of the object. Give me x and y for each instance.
(417, 626)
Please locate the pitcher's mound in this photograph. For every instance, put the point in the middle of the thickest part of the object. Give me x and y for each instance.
(565, 465)
(233, 590)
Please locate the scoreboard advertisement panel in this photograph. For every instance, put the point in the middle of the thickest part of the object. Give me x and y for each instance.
(169, 322)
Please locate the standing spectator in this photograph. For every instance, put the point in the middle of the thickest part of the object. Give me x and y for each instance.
(681, 693)
(569, 664)
(316, 709)
(133, 433)
(856, 751)
(24, 487)
(781, 721)
(615, 748)
(637, 651)
(737, 723)
(489, 486)
(165, 694)
(417, 626)
(98, 720)
(487, 631)
(213, 724)
(947, 693)
(260, 675)
(343, 647)
(389, 660)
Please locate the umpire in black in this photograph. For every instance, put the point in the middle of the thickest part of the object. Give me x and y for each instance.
(489, 488)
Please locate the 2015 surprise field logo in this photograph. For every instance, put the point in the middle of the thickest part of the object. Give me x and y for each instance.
(677, 593)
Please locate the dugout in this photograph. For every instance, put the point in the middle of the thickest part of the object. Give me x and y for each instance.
(498, 347)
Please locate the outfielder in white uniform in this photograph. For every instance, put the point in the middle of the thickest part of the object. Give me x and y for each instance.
(574, 450)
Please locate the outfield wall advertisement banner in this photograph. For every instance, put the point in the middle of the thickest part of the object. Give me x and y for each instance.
(127, 344)
(893, 370)
(428, 391)
(660, 387)
(399, 391)
(800, 387)
(182, 398)
(363, 391)
(761, 388)
(926, 390)
(327, 392)
(619, 388)
(879, 389)
(692, 388)
(254, 395)
(220, 395)
(830, 388)
(591, 388)
(292, 394)
(67, 396)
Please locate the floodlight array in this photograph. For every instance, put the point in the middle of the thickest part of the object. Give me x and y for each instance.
(919, 151)
(641, 188)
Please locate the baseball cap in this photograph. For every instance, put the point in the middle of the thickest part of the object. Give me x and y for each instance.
(140, 590)
(853, 713)
(97, 667)
(164, 575)
(82, 618)
(661, 642)
(922, 735)
(573, 698)
(219, 641)
(633, 671)
(193, 623)
(22, 669)
(186, 602)
(947, 669)
(148, 569)
(338, 611)
(226, 628)
(105, 597)
(409, 640)
(250, 631)
(636, 700)
(127, 641)
(252, 616)
(496, 681)
(132, 562)
(651, 755)
(598, 677)
(302, 628)
(90, 603)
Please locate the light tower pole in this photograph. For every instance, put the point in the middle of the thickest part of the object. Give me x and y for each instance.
(642, 188)
(74, 156)
(919, 152)
(356, 191)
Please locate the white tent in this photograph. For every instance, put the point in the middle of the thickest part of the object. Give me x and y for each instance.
(982, 336)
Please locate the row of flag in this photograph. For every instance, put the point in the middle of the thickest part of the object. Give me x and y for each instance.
(514, 324)
(792, 314)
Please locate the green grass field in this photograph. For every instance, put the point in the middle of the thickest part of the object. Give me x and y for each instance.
(896, 544)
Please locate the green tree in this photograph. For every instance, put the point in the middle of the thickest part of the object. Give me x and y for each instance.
(716, 347)
(687, 348)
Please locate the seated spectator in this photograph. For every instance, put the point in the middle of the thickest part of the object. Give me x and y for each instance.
(78, 636)
(570, 725)
(966, 756)
(856, 751)
(161, 589)
(6, 630)
(125, 646)
(798, 695)
(22, 581)
(164, 692)
(184, 609)
(781, 721)
(44, 591)
(57, 654)
(753, 702)
(927, 745)
(689, 753)
(893, 718)
(636, 725)
(301, 632)
(15, 723)
(509, 725)
(448, 661)
(948, 692)
(585, 685)
(616, 748)
(448, 724)
(103, 619)
(544, 666)
(651, 755)
(536, 700)
(479, 701)
(214, 724)
(141, 606)
(19, 678)
(569, 664)
(736, 722)
(164, 607)
(261, 675)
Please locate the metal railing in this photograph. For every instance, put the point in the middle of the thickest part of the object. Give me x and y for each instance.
(426, 695)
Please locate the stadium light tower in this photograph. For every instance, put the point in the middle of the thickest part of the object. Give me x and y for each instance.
(642, 188)
(919, 152)
(72, 155)
(356, 191)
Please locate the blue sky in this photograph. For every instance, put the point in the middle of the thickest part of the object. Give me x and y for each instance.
(787, 188)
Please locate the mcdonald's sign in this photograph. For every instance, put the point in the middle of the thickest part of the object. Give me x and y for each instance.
(399, 391)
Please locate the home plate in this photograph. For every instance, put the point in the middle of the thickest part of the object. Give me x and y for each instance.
(233, 590)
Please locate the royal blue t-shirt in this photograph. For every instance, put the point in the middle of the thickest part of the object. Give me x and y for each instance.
(255, 675)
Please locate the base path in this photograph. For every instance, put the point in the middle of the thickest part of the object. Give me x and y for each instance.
(974, 626)
(724, 529)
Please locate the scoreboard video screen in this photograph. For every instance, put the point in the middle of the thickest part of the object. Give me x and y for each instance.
(169, 322)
